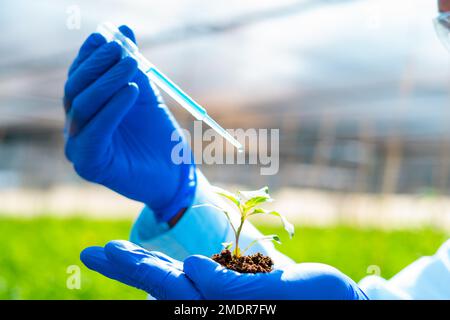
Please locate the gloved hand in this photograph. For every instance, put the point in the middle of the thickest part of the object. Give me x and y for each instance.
(202, 278)
(153, 272)
(118, 131)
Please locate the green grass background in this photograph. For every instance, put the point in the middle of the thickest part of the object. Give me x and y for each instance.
(35, 254)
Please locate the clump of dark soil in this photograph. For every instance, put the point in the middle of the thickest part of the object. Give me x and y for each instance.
(256, 263)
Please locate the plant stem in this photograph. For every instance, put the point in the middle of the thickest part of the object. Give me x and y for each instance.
(238, 233)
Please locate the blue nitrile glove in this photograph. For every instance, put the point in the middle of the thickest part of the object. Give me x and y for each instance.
(153, 272)
(118, 131)
(202, 278)
(302, 281)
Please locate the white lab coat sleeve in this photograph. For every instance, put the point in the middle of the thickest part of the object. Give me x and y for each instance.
(426, 278)
(201, 230)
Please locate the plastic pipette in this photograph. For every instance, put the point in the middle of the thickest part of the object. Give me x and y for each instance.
(112, 33)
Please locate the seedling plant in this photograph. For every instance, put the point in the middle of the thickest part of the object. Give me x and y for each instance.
(248, 204)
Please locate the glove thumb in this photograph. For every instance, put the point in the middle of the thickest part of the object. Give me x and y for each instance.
(198, 268)
(152, 272)
(213, 280)
(217, 282)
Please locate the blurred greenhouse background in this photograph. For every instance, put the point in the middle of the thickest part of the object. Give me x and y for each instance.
(360, 91)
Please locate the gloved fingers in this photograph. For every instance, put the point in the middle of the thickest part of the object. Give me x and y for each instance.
(91, 100)
(158, 277)
(90, 45)
(94, 41)
(208, 276)
(95, 259)
(109, 117)
(127, 32)
(132, 257)
(217, 282)
(93, 67)
(149, 93)
(97, 134)
(320, 281)
(175, 263)
(197, 267)
(296, 281)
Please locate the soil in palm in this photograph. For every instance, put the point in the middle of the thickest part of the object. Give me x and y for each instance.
(256, 263)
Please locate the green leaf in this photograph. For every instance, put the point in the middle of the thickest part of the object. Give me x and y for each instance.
(254, 198)
(257, 211)
(227, 245)
(271, 237)
(256, 201)
(263, 192)
(226, 194)
(289, 227)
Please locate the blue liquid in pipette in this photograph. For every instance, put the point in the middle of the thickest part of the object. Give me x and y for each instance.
(193, 107)
(177, 90)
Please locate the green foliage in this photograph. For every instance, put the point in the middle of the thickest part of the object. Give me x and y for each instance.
(271, 237)
(352, 250)
(289, 227)
(233, 198)
(248, 202)
(227, 245)
(35, 254)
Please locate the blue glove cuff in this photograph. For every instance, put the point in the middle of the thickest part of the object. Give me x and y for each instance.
(200, 230)
(184, 196)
